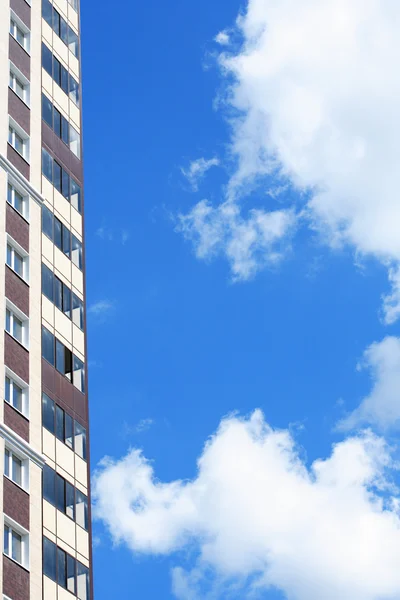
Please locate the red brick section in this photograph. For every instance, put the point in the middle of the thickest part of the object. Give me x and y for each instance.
(17, 291)
(15, 580)
(18, 162)
(16, 503)
(16, 357)
(17, 227)
(19, 111)
(19, 57)
(15, 421)
(22, 10)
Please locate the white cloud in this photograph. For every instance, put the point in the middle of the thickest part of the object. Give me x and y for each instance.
(382, 406)
(101, 308)
(316, 87)
(256, 516)
(222, 38)
(247, 242)
(197, 170)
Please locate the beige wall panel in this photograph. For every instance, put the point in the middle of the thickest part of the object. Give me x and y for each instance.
(78, 340)
(49, 444)
(64, 594)
(82, 559)
(63, 327)
(81, 471)
(76, 222)
(82, 541)
(81, 487)
(49, 589)
(62, 206)
(75, 115)
(65, 474)
(47, 191)
(62, 6)
(49, 517)
(73, 17)
(50, 535)
(47, 83)
(61, 50)
(80, 355)
(35, 538)
(47, 33)
(65, 458)
(60, 97)
(65, 533)
(63, 265)
(77, 278)
(48, 249)
(74, 65)
(48, 310)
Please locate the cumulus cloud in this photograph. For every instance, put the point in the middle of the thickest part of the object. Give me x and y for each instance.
(382, 406)
(257, 516)
(101, 308)
(316, 90)
(197, 170)
(222, 38)
(248, 242)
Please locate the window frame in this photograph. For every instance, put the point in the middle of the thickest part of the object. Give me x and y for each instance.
(24, 485)
(78, 429)
(23, 385)
(15, 188)
(16, 313)
(16, 23)
(15, 130)
(15, 74)
(16, 248)
(15, 527)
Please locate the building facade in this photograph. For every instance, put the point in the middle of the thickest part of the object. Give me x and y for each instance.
(44, 488)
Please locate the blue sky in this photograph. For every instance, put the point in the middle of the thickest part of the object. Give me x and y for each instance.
(190, 323)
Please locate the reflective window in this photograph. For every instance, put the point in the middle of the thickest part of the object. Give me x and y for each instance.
(48, 413)
(48, 345)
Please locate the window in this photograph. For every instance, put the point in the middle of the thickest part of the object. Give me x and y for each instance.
(17, 325)
(19, 31)
(47, 283)
(82, 518)
(60, 26)
(19, 84)
(75, 195)
(47, 165)
(48, 345)
(16, 392)
(74, 141)
(61, 424)
(62, 358)
(18, 139)
(47, 222)
(60, 294)
(65, 497)
(61, 126)
(17, 259)
(61, 180)
(16, 542)
(17, 200)
(47, 111)
(77, 311)
(65, 570)
(76, 254)
(16, 468)
(79, 374)
(59, 73)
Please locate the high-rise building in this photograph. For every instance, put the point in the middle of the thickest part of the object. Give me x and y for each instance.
(44, 487)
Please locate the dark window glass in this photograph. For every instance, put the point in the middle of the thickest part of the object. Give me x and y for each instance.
(47, 60)
(47, 111)
(76, 252)
(66, 301)
(48, 345)
(66, 241)
(79, 374)
(60, 357)
(56, 21)
(47, 222)
(49, 485)
(83, 582)
(64, 31)
(56, 70)
(47, 165)
(71, 574)
(49, 559)
(60, 415)
(81, 509)
(47, 12)
(58, 293)
(57, 122)
(57, 176)
(65, 185)
(64, 130)
(73, 90)
(58, 233)
(68, 363)
(80, 440)
(69, 431)
(77, 311)
(64, 79)
(47, 283)
(69, 500)
(48, 413)
(61, 568)
(75, 195)
(73, 42)
(60, 493)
